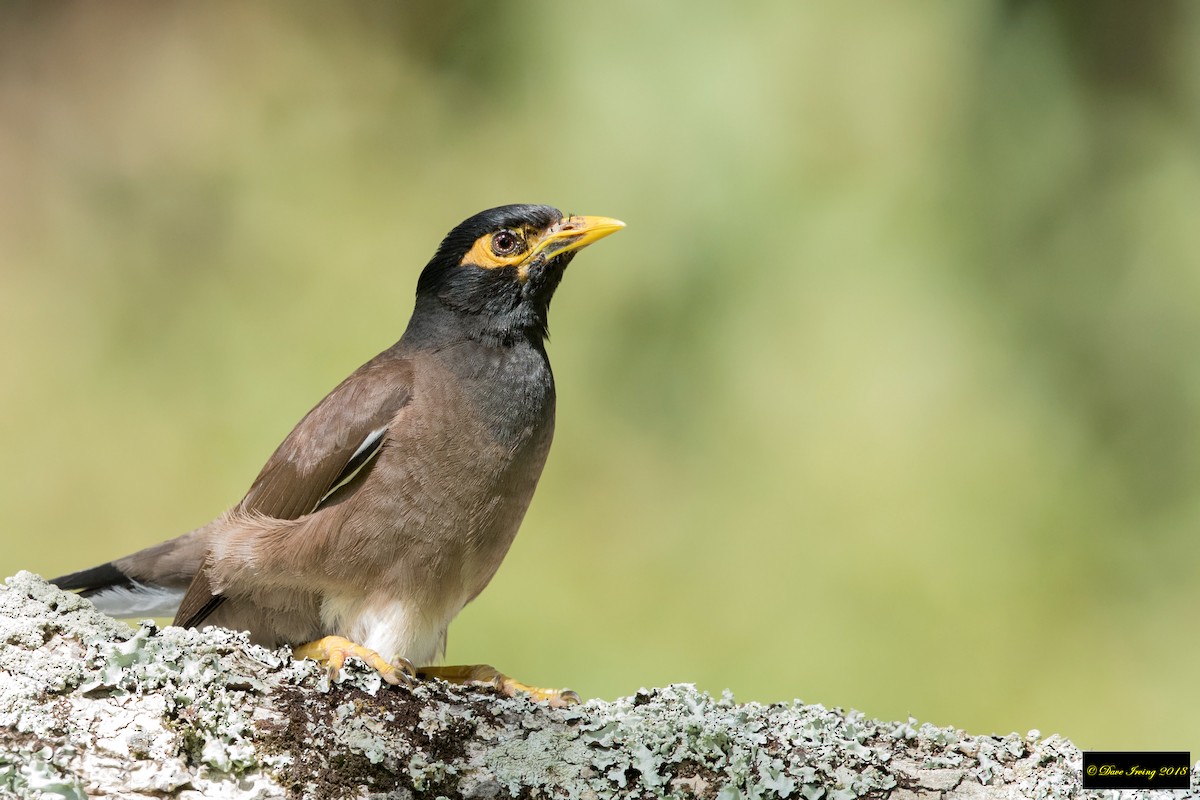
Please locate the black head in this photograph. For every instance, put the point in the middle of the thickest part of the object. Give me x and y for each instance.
(493, 275)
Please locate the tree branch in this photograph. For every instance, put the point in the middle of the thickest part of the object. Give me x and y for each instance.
(92, 708)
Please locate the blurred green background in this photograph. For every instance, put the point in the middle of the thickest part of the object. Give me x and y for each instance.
(887, 398)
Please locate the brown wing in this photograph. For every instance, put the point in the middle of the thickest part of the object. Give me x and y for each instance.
(327, 448)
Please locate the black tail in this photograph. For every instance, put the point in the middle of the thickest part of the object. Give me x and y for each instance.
(96, 579)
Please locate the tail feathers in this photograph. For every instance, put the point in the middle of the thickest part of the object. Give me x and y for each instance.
(118, 595)
(92, 580)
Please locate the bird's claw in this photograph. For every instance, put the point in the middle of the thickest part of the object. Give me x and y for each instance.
(557, 698)
(332, 652)
(482, 673)
(400, 672)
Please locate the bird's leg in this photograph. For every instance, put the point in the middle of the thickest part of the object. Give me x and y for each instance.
(332, 652)
(482, 673)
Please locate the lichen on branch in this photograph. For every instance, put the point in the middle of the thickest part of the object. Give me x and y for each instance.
(91, 708)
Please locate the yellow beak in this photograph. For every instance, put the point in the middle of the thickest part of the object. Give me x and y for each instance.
(573, 233)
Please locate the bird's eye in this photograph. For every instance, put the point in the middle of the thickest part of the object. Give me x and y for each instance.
(506, 243)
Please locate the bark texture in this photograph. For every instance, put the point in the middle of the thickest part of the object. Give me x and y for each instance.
(92, 708)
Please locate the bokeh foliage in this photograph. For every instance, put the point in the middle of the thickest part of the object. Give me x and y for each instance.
(887, 398)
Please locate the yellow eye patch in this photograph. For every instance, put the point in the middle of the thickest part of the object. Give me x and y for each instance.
(504, 248)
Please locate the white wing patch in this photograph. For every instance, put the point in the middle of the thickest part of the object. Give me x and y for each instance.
(366, 451)
(142, 600)
(370, 444)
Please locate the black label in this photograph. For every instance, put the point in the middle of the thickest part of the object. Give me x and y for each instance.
(1131, 770)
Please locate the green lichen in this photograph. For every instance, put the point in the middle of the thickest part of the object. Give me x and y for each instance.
(86, 702)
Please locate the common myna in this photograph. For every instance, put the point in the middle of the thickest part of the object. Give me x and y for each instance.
(391, 504)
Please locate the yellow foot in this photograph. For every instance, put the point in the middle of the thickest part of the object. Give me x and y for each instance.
(332, 652)
(482, 673)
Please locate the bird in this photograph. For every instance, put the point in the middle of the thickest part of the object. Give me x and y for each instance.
(391, 504)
